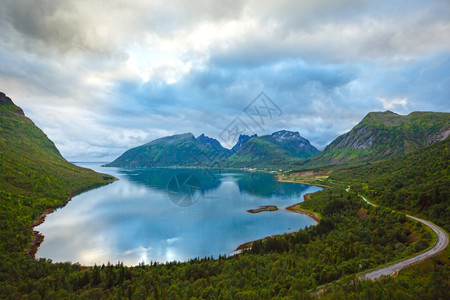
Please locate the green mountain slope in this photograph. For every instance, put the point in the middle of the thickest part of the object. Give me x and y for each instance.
(34, 176)
(382, 135)
(258, 152)
(243, 138)
(418, 182)
(280, 149)
(351, 237)
(292, 143)
(176, 150)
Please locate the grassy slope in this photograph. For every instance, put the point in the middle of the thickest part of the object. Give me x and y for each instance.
(177, 150)
(185, 150)
(380, 136)
(284, 266)
(417, 182)
(33, 177)
(292, 146)
(259, 152)
(169, 151)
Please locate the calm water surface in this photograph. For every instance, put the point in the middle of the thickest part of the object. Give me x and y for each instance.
(149, 215)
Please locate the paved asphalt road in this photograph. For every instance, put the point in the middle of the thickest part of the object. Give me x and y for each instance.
(394, 268)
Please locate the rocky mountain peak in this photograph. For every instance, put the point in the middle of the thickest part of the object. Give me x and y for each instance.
(6, 101)
(203, 139)
(207, 141)
(286, 135)
(243, 138)
(386, 134)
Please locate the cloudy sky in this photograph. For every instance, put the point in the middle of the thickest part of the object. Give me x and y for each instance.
(102, 76)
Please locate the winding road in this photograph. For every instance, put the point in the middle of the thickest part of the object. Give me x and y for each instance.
(440, 245)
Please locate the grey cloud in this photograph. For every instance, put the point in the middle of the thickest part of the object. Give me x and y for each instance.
(102, 27)
(215, 96)
(339, 32)
(50, 25)
(325, 63)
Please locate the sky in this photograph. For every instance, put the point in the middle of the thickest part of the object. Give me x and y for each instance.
(99, 77)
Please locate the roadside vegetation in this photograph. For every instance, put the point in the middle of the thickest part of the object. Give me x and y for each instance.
(425, 280)
(351, 237)
(417, 182)
(343, 243)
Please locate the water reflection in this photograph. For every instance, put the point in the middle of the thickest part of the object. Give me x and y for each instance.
(211, 179)
(134, 220)
(159, 178)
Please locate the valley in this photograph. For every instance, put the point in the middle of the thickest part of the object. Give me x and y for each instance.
(238, 150)
(399, 162)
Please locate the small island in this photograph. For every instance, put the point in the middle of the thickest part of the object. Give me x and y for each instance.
(263, 208)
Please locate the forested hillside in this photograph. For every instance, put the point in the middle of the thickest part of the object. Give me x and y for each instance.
(426, 280)
(418, 182)
(34, 176)
(350, 238)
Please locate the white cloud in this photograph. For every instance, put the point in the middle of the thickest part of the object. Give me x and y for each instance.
(79, 133)
(393, 102)
(101, 76)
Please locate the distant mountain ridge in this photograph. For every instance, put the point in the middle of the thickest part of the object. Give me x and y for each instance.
(281, 148)
(293, 143)
(381, 135)
(378, 136)
(185, 150)
(177, 150)
(243, 138)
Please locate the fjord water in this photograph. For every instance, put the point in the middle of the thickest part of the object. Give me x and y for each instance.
(149, 216)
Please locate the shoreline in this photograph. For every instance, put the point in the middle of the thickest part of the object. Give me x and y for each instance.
(301, 182)
(291, 208)
(263, 208)
(38, 238)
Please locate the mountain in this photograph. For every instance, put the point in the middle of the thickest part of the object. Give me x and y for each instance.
(176, 150)
(33, 176)
(381, 135)
(214, 145)
(243, 138)
(281, 148)
(30, 161)
(293, 143)
(7, 105)
(351, 236)
(258, 152)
